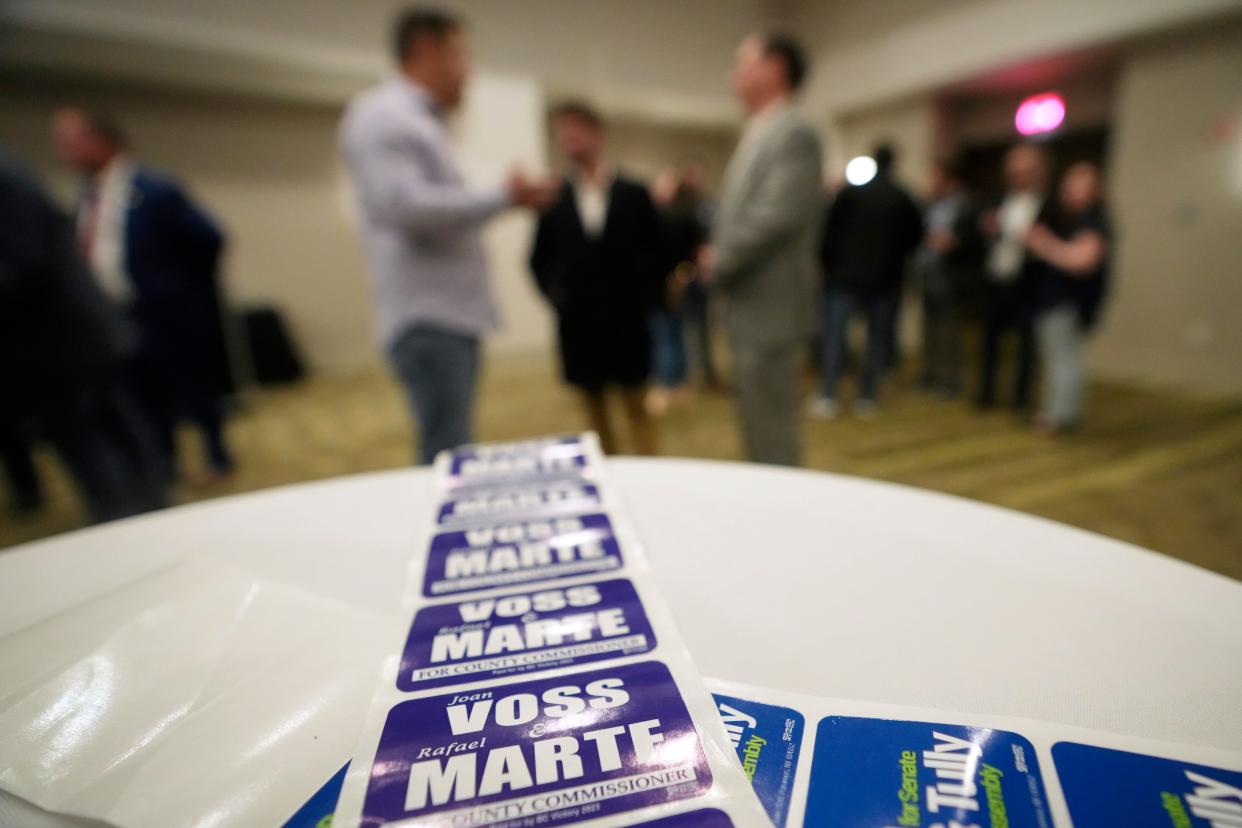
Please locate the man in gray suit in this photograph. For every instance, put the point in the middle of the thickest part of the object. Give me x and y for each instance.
(762, 255)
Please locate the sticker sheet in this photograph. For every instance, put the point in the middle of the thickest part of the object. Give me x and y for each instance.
(824, 762)
(537, 678)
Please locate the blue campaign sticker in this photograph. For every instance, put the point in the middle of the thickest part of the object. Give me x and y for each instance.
(518, 553)
(702, 818)
(494, 636)
(509, 502)
(768, 740)
(316, 812)
(547, 752)
(1105, 787)
(554, 456)
(879, 773)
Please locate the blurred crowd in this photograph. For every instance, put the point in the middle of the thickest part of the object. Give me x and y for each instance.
(111, 336)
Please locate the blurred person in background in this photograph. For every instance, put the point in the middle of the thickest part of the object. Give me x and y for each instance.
(869, 233)
(1009, 286)
(1069, 245)
(679, 197)
(947, 264)
(600, 259)
(697, 301)
(761, 258)
(421, 224)
(63, 345)
(156, 253)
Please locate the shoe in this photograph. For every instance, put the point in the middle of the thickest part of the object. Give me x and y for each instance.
(822, 408)
(866, 409)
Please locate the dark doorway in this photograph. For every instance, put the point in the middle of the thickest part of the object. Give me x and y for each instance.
(981, 163)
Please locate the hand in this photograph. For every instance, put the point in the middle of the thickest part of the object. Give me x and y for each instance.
(941, 241)
(706, 261)
(1039, 238)
(675, 286)
(536, 194)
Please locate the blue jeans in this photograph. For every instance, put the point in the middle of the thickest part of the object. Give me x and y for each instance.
(839, 307)
(1060, 335)
(668, 353)
(438, 369)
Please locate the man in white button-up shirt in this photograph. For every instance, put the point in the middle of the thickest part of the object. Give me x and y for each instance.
(421, 225)
(1009, 298)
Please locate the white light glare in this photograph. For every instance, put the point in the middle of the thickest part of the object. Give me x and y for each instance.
(860, 170)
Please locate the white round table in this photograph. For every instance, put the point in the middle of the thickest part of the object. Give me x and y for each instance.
(804, 581)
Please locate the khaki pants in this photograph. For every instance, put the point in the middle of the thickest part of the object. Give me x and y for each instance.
(767, 399)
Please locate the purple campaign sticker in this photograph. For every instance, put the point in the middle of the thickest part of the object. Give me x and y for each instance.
(561, 497)
(552, 457)
(547, 752)
(517, 553)
(703, 818)
(505, 635)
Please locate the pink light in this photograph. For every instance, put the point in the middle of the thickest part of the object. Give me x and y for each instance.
(1040, 113)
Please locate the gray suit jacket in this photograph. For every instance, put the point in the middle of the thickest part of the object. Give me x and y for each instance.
(766, 231)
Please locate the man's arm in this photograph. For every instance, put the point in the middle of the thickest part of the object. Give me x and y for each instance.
(1079, 256)
(787, 194)
(395, 189)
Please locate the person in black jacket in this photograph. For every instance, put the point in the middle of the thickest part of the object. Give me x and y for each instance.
(62, 346)
(869, 233)
(600, 259)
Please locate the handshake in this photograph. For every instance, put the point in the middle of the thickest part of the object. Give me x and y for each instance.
(535, 193)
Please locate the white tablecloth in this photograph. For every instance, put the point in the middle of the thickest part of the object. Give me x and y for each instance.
(804, 581)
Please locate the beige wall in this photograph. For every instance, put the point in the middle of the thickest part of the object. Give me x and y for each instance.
(1177, 198)
(644, 148)
(867, 51)
(650, 57)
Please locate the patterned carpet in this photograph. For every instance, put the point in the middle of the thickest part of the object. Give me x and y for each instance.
(1160, 470)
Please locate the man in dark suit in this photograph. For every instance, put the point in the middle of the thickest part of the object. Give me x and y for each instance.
(155, 252)
(62, 344)
(600, 260)
(870, 232)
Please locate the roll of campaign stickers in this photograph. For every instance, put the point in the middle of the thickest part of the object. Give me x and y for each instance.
(541, 460)
(876, 766)
(538, 678)
(879, 766)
